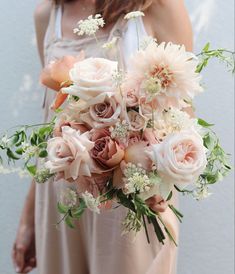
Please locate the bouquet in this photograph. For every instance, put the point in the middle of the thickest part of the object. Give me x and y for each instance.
(124, 136)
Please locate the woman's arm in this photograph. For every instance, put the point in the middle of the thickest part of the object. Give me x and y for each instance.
(23, 254)
(168, 21)
(41, 19)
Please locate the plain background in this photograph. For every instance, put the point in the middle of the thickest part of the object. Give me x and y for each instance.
(207, 238)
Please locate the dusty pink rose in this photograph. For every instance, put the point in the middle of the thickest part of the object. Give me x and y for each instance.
(70, 154)
(180, 158)
(106, 152)
(92, 78)
(138, 154)
(101, 114)
(95, 184)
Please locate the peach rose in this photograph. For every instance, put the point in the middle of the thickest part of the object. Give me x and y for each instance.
(102, 114)
(180, 158)
(137, 153)
(57, 72)
(69, 154)
(106, 152)
(92, 77)
(150, 135)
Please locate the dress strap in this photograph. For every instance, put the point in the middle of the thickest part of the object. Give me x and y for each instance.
(51, 29)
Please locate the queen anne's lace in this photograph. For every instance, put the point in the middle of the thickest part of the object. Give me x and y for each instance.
(89, 26)
(91, 202)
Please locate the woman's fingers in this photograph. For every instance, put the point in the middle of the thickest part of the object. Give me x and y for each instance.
(157, 204)
(19, 258)
(160, 207)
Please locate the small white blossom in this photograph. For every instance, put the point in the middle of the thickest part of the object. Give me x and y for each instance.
(138, 182)
(91, 202)
(120, 130)
(89, 26)
(4, 141)
(180, 120)
(42, 175)
(131, 223)
(21, 172)
(202, 193)
(111, 44)
(29, 151)
(137, 179)
(118, 77)
(146, 41)
(133, 15)
(68, 197)
(4, 170)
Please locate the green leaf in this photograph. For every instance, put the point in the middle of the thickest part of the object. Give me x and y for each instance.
(206, 47)
(69, 223)
(33, 139)
(159, 233)
(209, 141)
(32, 169)
(170, 196)
(19, 151)
(203, 123)
(43, 154)
(15, 138)
(63, 209)
(11, 155)
(44, 131)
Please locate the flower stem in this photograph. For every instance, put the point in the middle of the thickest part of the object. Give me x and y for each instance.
(146, 229)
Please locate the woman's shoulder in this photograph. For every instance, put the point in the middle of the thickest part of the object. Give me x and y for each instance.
(42, 12)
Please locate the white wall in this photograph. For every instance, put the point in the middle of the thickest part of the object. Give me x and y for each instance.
(206, 245)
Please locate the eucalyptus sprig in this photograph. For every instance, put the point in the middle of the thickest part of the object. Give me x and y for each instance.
(27, 143)
(217, 164)
(224, 55)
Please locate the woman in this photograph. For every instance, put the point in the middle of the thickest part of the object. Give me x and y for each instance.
(96, 246)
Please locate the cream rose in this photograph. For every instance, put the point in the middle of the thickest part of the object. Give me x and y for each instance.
(69, 154)
(91, 78)
(180, 158)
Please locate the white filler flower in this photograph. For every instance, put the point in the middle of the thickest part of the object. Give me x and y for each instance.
(91, 202)
(111, 44)
(89, 26)
(133, 15)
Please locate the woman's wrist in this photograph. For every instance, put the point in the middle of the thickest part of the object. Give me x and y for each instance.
(27, 217)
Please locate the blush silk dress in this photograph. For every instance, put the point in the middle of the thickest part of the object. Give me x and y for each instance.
(95, 246)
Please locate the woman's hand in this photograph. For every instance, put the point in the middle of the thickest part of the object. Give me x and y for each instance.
(24, 253)
(157, 204)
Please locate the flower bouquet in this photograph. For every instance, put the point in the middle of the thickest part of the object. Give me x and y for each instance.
(122, 137)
